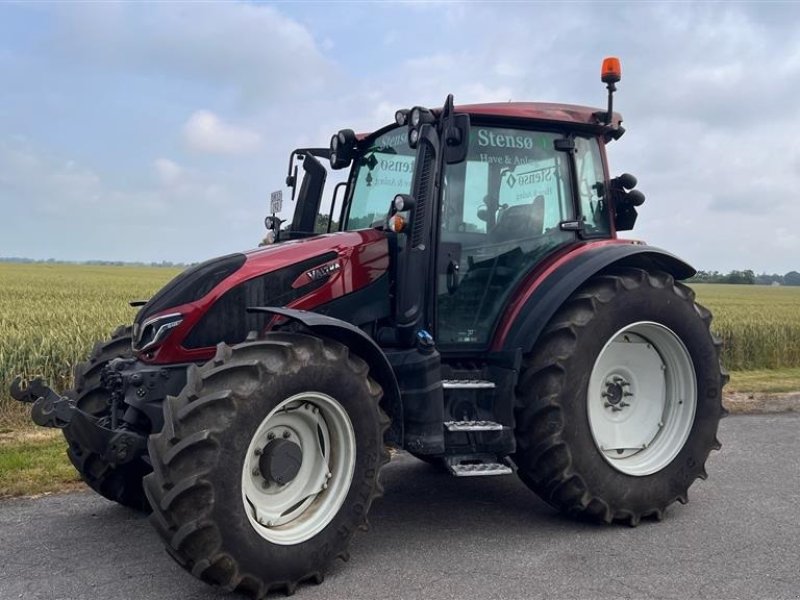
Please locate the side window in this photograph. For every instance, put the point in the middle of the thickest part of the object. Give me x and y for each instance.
(383, 171)
(589, 166)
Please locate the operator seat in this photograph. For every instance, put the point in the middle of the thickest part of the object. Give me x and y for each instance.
(519, 221)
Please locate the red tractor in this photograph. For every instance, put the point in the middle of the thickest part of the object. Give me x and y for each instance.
(470, 304)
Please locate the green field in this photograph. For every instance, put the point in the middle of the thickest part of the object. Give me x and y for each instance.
(51, 315)
(759, 325)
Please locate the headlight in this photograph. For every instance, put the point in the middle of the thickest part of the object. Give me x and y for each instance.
(420, 115)
(155, 330)
(413, 137)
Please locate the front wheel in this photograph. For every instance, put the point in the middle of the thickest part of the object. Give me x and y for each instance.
(267, 462)
(619, 403)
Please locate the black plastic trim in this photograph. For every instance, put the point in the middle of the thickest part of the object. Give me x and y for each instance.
(563, 282)
(192, 284)
(366, 305)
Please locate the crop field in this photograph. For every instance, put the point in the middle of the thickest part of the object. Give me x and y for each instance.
(51, 315)
(759, 325)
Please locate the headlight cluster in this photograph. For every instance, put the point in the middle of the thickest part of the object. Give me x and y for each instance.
(155, 330)
(415, 118)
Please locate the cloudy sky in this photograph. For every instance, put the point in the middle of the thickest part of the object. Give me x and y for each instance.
(156, 132)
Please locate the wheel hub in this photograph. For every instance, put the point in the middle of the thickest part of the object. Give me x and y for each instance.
(280, 461)
(615, 393)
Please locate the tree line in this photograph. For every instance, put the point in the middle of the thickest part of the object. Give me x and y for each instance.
(105, 263)
(747, 277)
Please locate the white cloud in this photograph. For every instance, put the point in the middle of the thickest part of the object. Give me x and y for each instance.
(169, 172)
(206, 132)
(250, 50)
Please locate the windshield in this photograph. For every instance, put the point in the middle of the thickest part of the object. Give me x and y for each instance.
(384, 170)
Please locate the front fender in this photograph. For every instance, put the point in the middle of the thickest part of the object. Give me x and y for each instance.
(539, 301)
(365, 347)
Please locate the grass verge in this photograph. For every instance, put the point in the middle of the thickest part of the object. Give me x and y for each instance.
(773, 381)
(34, 461)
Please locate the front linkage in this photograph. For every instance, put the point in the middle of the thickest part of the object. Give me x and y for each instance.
(116, 446)
(118, 434)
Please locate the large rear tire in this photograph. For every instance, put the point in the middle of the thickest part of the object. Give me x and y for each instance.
(268, 461)
(618, 404)
(123, 483)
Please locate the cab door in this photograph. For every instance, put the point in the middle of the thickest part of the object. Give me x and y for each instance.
(502, 213)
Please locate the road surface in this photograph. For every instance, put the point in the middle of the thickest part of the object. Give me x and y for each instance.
(438, 537)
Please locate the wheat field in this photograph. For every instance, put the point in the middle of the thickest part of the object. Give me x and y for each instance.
(759, 325)
(51, 315)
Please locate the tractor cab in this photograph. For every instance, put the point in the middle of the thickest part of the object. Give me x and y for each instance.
(516, 184)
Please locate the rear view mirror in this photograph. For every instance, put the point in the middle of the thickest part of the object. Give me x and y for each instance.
(456, 139)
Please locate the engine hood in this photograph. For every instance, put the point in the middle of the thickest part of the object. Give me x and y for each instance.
(207, 304)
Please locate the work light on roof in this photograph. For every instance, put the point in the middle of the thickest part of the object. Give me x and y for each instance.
(420, 116)
(401, 116)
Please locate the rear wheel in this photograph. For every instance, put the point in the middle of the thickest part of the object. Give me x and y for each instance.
(618, 404)
(267, 462)
(123, 483)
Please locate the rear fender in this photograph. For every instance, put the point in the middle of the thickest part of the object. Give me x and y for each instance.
(546, 295)
(361, 344)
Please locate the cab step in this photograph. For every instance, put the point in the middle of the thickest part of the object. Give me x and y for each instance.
(467, 466)
(472, 426)
(467, 384)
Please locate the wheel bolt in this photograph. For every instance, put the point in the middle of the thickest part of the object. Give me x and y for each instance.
(270, 436)
(324, 486)
(258, 452)
(256, 472)
(286, 434)
(265, 484)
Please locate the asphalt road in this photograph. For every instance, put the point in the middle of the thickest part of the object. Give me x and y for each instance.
(434, 536)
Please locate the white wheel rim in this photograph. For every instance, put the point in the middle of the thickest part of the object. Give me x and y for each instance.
(298, 510)
(642, 398)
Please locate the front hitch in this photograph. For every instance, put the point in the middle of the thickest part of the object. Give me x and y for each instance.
(115, 446)
(49, 409)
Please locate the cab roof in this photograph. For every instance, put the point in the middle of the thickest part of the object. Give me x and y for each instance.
(539, 111)
(542, 112)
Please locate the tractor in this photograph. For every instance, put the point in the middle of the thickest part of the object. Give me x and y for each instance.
(467, 301)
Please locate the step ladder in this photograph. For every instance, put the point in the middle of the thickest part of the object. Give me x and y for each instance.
(476, 466)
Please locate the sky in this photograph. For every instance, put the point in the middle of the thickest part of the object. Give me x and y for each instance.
(156, 131)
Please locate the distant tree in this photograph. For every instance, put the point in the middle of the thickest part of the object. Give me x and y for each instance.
(791, 278)
(740, 277)
(321, 224)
